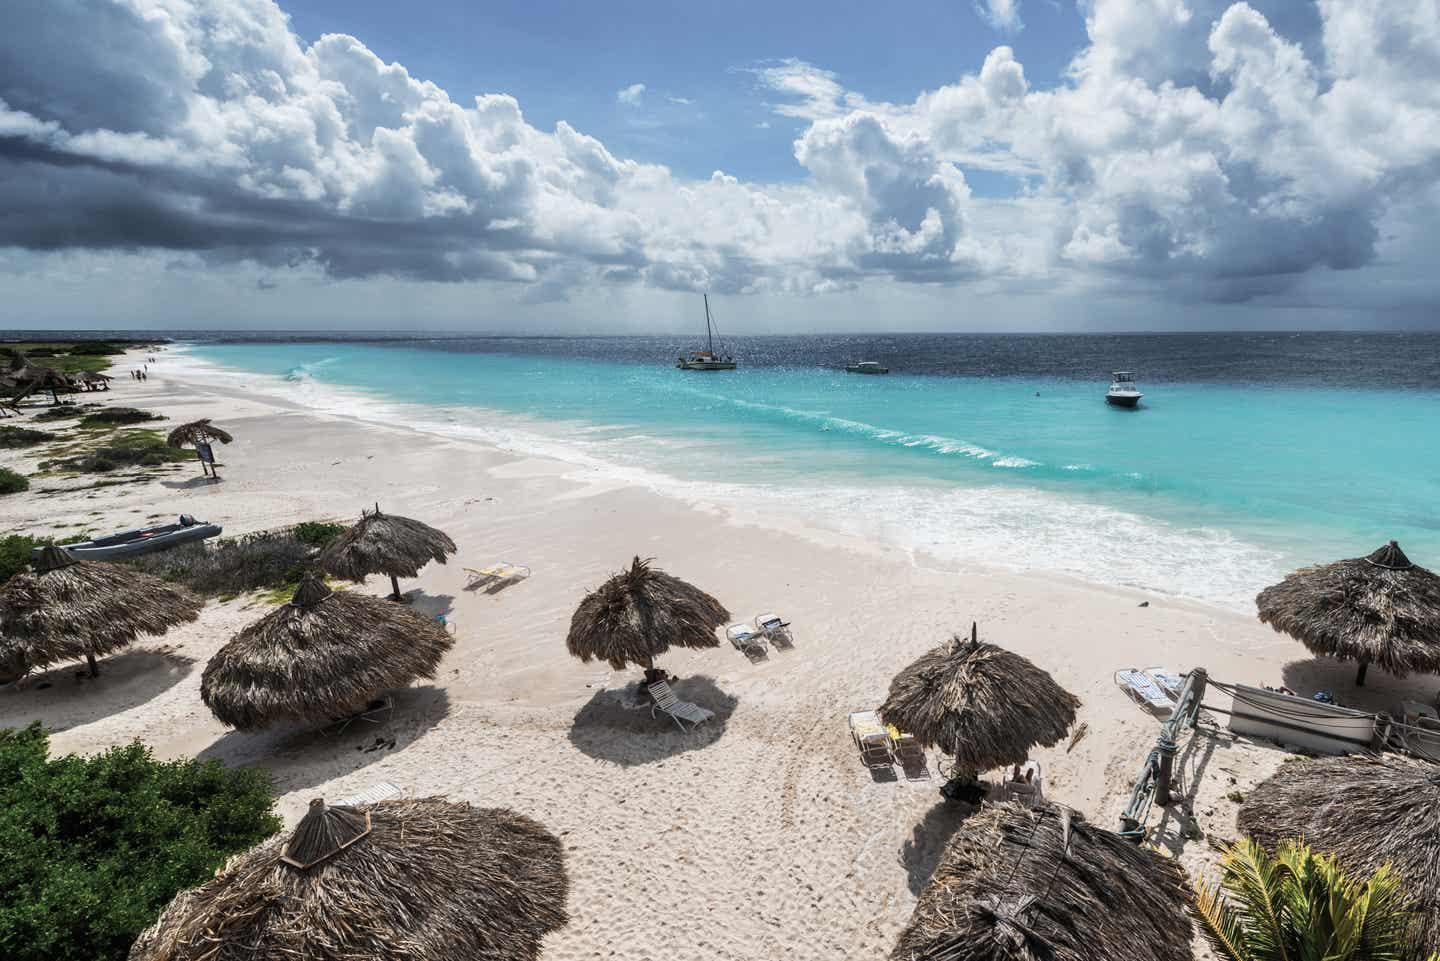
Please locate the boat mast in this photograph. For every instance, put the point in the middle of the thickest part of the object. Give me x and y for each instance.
(709, 338)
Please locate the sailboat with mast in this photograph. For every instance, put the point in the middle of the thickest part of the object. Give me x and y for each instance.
(707, 359)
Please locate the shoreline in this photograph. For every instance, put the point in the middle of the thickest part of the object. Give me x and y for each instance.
(756, 502)
(792, 845)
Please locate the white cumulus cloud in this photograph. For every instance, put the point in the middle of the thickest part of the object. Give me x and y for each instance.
(1003, 15)
(631, 95)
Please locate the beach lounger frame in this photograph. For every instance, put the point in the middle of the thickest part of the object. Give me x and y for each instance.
(1143, 690)
(1032, 793)
(872, 739)
(494, 575)
(775, 629)
(747, 641)
(663, 700)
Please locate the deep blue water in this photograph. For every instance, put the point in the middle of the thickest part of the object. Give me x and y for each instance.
(1251, 453)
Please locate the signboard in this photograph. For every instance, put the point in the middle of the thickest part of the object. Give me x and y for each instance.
(204, 452)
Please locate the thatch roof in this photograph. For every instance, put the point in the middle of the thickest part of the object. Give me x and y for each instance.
(67, 609)
(1365, 811)
(640, 614)
(1380, 609)
(1023, 884)
(322, 655)
(385, 544)
(197, 430)
(985, 705)
(410, 880)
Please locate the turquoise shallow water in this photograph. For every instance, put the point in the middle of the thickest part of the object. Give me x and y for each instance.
(1210, 490)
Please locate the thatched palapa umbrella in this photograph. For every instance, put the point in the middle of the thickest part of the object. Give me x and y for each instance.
(405, 880)
(1366, 811)
(67, 609)
(385, 544)
(641, 613)
(323, 655)
(981, 703)
(1380, 609)
(197, 430)
(1022, 884)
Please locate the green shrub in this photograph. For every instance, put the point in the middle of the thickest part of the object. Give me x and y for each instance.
(13, 437)
(11, 482)
(15, 553)
(98, 348)
(93, 848)
(266, 560)
(133, 448)
(318, 534)
(65, 411)
(111, 416)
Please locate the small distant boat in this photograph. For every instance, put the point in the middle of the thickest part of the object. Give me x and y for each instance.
(1123, 392)
(867, 367)
(145, 540)
(707, 359)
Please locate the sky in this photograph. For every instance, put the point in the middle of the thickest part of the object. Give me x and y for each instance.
(553, 167)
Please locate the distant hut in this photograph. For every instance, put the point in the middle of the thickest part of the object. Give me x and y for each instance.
(1366, 812)
(641, 613)
(385, 544)
(322, 656)
(982, 704)
(32, 380)
(1380, 609)
(404, 880)
(67, 609)
(1018, 883)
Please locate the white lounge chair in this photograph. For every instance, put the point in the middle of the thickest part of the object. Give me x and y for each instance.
(1143, 690)
(747, 642)
(775, 629)
(1170, 682)
(679, 711)
(495, 574)
(374, 794)
(872, 739)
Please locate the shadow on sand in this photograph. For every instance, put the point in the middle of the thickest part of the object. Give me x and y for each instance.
(190, 484)
(920, 853)
(1381, 692)
(615, 725)
(430, 605)
(299, 756)
(66, 696)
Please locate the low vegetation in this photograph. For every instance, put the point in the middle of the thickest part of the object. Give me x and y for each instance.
(318, 534)
(12, 482)
(71, 357)
(115, 416)
(15, 553)
(64, 412)
(12, 438)
(130, 448)
(95, 847)
(271, 561)
(1299, 904)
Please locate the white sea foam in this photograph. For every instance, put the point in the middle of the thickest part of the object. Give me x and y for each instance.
(996, 525)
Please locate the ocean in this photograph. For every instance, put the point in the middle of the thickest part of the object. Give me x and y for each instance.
(1250, 455)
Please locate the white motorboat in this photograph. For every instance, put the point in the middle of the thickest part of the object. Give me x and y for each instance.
(867, 367)
(1123, 391)
(707, 359)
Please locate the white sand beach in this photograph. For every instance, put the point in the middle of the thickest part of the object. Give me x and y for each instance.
(759, 836)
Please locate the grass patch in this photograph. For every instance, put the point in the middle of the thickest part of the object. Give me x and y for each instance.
(72, 357)
(130, 448)
(64, 412)
(12, 482)
(318, 534)
(12, 438)
(115, 416)
(271, 561)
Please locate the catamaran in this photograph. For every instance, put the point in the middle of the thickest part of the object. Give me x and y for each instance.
(707, 359)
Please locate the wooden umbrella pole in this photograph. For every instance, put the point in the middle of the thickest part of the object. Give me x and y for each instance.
(1360, 674)
(94, 668)
(395, 585)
